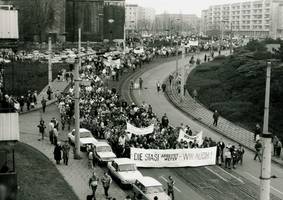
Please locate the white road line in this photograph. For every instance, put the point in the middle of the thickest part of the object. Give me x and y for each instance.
(216, 174)
(174, 186)
(240, 180)
(257, 179)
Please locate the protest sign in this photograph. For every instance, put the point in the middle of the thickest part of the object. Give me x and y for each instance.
(186, 137)
(139, 131)
(174, 157)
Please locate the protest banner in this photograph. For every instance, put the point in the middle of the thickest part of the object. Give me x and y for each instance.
(156, 158)
(186, 137)
(139, 131)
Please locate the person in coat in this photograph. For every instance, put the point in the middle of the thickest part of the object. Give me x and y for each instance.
(57, 153)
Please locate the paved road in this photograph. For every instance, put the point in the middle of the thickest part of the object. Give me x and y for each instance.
(245, 177)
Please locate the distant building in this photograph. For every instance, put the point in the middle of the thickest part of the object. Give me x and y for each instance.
(177, 23)
(262, 18)
(146, 18)
(131, 19)
(113, 11)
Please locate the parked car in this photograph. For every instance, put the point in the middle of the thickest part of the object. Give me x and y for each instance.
(124, 171)
(147, 188)
(86, 138)
(103, 153)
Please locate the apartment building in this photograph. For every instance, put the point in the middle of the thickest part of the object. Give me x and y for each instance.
(252, 18)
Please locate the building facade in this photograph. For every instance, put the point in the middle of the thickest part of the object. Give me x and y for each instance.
(113, 19)
(87, 15)
(131, 18)
(177, 23)
(252, 18)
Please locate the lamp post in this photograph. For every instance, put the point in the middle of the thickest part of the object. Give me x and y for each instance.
(77, 100)
(266, 158)
(49, 61)
(111, 21)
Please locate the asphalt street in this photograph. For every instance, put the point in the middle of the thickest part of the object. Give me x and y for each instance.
(245, 176)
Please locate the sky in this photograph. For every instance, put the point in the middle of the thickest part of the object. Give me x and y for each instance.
(179, 6)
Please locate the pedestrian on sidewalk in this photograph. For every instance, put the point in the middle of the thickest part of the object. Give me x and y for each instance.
(258, 148)
(141, 83)
(51, 129)
(195, 94)
(90, 158)
(43, 103)
(241, 152)
(275, 141)
(215, 118)
(49, 92)
(170, 187)
(163, 87)
(57, 153)
(41, 128)
(22, 103)
(106, 182)
(278, 149)
(257, 131)
(66, 149)
(227, 157)
(171, 77)
(158, 86)
(55, 135)
(93, 183)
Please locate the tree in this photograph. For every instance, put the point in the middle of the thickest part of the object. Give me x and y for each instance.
(255, 45)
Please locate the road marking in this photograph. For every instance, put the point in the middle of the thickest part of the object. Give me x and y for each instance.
(174, 186)
(216, 174)
(240, 180)
(257, 179)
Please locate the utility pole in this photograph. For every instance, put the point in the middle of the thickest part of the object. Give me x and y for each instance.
(124, 41)
(183, 72)
(231, 37)
(77, 101)
(49, 61)
(266, 158)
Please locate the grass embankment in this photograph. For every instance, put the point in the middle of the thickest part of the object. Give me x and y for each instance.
(38, 178)
(23, 76)
(235, 86)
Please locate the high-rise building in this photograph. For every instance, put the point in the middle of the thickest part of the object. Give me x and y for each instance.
(114, 19)
(131, 20)
(146, 18)
(262, 18)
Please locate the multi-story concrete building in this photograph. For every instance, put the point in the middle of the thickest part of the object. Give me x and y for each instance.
(180, 23)
(131, 20)
(252, 18)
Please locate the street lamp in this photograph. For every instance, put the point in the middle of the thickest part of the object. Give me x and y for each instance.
(111, 21)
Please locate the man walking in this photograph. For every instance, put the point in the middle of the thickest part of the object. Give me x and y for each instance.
(140, 82)
(49, 92)
(170, 187)
(93, 182)
(215, 118)
(43, 103)
(41, 128)
(258, 147)
(106, 182)
(66, 149)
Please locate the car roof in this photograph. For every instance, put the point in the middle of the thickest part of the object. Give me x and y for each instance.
(123, 161)
(148, 181)
(82, 130)
(101, 144)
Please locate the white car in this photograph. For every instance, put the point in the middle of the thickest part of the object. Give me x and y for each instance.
(86, 138)
(148, 188)
(124, 171)
(103, 152)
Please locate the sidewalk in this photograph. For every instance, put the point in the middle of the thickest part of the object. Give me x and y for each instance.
(200, 113)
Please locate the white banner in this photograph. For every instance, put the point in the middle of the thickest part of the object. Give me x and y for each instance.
(139, 131)
(185, 137)
(174, 157)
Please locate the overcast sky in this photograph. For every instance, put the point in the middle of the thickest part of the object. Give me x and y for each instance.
(180, 6)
